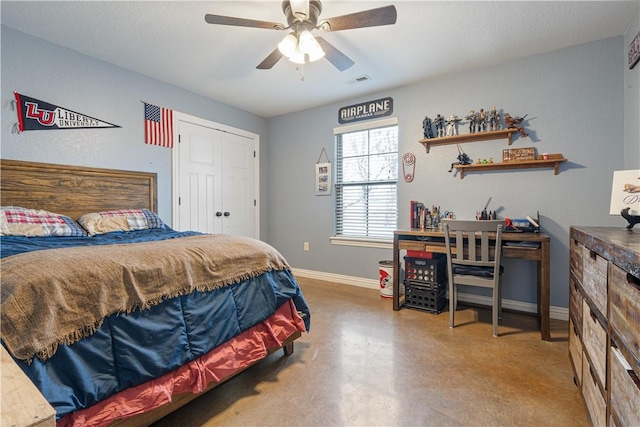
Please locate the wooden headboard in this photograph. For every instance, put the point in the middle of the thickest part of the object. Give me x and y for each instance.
(75, 190)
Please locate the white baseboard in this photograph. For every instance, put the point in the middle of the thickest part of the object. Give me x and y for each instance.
(559, 313)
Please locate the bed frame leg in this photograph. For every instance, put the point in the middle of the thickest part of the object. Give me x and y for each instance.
(288, 349)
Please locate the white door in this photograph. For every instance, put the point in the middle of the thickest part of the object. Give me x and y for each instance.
(215, 181)
(238, 200)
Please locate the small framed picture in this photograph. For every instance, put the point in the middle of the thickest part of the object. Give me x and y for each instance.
(323, 179)
(634, 51)
(625, 192)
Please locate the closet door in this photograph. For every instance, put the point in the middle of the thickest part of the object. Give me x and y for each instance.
(215, 185)
(238, 197)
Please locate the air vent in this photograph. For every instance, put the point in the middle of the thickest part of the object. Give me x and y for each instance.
(361, 79)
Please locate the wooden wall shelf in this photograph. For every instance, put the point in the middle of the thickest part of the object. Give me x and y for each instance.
(528, 164)
(469, 137)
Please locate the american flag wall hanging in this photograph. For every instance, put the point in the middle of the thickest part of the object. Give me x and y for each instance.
(34, 114)
(158, 125)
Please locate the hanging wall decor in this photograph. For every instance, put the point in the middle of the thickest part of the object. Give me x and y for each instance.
(634, 51)
(158, 125)
(408, 166)
(323, 175)
(366, 111)
(34, 114)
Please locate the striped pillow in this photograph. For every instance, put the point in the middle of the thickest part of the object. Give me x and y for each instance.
(18, 221)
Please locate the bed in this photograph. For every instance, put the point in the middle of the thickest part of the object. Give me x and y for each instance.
(126, 323)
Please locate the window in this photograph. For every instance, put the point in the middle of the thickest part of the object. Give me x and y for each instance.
(367, 180)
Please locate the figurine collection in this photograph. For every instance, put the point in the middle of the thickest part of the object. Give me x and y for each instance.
(479, 121)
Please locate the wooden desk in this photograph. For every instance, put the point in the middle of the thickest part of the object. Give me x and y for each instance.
(432, 240)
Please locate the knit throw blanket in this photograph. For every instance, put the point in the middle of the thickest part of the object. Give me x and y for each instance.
(59, 296)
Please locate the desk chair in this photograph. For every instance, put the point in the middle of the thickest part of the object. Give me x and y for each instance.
(473, 261)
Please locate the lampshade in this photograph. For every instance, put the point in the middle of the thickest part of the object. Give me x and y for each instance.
(297, 47)
(306, 42)
(288, 45)
(316, 54)
(297, 57)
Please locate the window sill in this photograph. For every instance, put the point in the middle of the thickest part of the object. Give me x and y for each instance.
(361, 242)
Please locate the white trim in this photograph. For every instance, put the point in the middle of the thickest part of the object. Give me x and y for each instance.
(361, 242)
(389, 121)
(558, 313)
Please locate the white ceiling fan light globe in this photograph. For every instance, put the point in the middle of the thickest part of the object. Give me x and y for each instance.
(307, 42)
(288, 45)
(316, 54)
(297, 57)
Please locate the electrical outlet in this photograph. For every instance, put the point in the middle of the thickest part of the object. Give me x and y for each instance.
(306, 246)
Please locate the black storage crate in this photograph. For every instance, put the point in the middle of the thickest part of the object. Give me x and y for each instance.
(429, 297)
(425, 270)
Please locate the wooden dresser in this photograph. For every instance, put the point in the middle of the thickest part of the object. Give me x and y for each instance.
(604, 322)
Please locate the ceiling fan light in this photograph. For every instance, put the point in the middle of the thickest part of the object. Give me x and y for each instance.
(288, 46)
(307, 42)
(297, 57)
(316, 54)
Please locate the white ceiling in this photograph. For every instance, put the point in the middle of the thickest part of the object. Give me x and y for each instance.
(170, 41)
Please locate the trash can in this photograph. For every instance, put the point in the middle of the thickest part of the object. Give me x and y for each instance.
(386, 279)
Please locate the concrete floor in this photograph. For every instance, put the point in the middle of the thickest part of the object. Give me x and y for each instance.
(362, 364)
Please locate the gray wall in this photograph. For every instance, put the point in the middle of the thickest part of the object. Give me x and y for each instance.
(631, 103)
(60, 76)
(574, 101)
(580, 102)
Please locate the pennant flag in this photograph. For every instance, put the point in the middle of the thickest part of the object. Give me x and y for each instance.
(158, 126)
(34, 114)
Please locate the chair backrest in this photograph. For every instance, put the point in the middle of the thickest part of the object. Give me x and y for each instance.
(473, 242)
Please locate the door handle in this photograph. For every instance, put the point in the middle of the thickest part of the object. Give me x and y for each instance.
(227, 214)
(218, 213)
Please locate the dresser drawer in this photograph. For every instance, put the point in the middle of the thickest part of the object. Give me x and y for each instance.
(575, 258)
(596, 405)
(625, 390)
(594, 279)
(575, 302)
(575, 351)
(624, 315)
(594, 340)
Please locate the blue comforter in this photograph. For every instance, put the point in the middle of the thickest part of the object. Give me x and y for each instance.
(128, 350)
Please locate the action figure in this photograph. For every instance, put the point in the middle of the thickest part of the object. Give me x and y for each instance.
(494, 119)
(514, 123)
(439, 124)
(426, 127)
(463, 159)
(473, 120)
(482, 120)
(452, 125)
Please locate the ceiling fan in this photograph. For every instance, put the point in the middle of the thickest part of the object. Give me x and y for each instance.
(302, 18)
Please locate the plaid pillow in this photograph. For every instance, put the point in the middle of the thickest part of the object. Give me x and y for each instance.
(120, 220)
(18, 221)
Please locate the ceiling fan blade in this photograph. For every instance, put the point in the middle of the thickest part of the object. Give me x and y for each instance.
(241, 22)
(333, 55)
(270, 60)
(386, 15)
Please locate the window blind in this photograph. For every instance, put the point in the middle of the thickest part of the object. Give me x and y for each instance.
(366, 180)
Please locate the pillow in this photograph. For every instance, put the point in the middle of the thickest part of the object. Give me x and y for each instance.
(120, 220)
(17, 221)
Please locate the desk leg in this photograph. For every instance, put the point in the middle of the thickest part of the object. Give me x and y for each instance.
(396, 273)
(544, 279)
